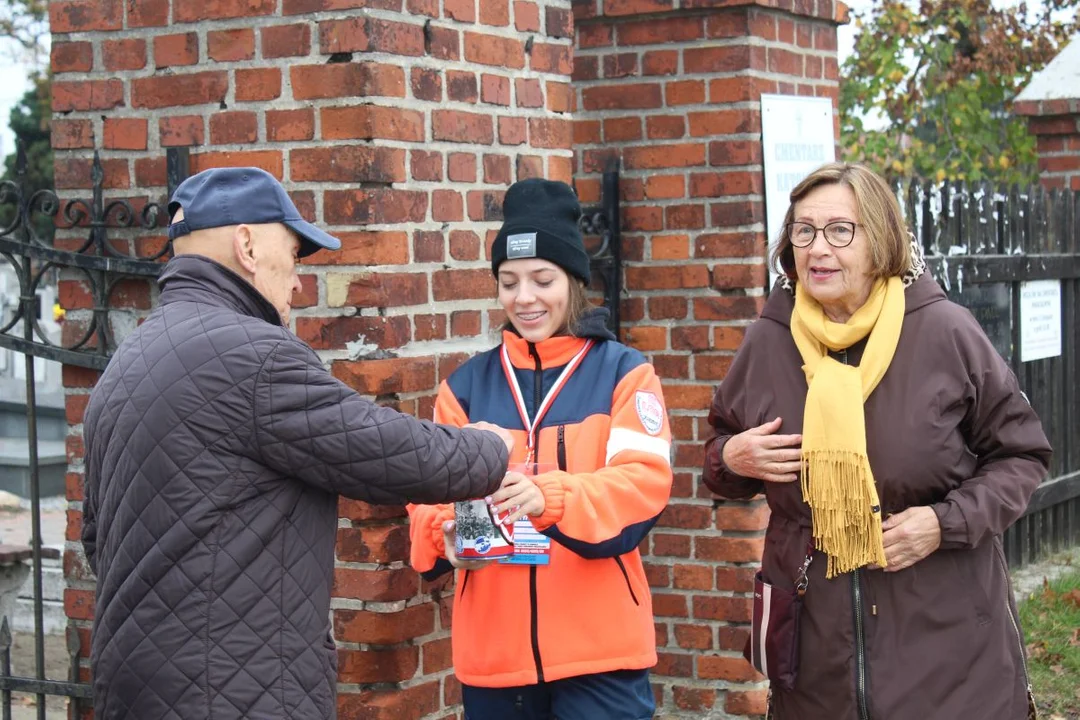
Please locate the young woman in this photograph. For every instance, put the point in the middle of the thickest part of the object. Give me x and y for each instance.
(564, 630)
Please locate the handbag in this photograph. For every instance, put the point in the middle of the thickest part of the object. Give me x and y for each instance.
(773, 645)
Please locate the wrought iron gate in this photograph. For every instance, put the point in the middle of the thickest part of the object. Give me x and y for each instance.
(35, 261)
(606, 259)
(982, 244)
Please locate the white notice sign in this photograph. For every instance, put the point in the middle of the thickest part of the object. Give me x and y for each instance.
(1040, 319)
(797, 137)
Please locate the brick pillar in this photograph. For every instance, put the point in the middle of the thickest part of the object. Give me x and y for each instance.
(1056, 125)
(670, 93)
(132, 300)
(79, 581)
(397, 126)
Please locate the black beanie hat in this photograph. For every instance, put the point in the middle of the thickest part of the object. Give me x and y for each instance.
(540, 220)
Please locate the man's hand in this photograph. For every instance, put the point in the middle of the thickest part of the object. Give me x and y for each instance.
(518, 496)
(504, 435)
(451, 555)
(909, 536)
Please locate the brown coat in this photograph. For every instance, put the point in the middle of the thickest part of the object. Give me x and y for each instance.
(947, 427)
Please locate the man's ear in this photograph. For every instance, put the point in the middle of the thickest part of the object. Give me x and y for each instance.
(244, 247)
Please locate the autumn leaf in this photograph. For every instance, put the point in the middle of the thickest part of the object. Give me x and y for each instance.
(1048, 593)
(1072, 598)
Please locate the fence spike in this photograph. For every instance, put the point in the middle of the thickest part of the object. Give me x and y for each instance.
(97, 172)
(5, 634)
(20, 159)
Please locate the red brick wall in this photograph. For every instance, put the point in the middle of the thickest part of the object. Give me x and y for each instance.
(398, 124)
(1056, 124)
(671, 94)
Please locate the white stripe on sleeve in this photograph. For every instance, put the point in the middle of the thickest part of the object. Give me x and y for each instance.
(622, 439)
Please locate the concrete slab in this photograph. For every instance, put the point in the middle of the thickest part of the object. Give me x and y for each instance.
(17, 451)
(15, 466)
(15, 529)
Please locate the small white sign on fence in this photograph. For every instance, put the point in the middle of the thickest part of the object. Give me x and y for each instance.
(797, 138)
(1040, 319)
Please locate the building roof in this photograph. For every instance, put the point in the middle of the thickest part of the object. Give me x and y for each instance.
(1060, 80)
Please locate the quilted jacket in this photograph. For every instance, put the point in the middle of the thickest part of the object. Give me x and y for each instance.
(216, 447)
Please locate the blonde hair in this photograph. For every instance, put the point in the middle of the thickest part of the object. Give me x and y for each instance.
(880, 218)
(576, 306)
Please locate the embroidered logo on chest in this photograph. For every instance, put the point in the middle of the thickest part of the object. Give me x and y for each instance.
(650, 411)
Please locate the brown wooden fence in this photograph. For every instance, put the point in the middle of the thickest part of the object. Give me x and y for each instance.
(982, 244)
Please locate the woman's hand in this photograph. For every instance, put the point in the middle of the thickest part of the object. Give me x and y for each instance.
(504, 435)
(518, 496)
(909, 536)
(451, 554)
(760, 453)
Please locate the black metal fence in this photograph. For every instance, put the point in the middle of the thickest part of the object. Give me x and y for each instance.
(983, 244)
(606, 257)
(101, 262)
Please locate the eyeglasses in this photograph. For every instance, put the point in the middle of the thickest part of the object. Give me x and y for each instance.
(838, 234)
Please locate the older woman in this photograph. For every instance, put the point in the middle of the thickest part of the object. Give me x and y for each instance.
(894, 448)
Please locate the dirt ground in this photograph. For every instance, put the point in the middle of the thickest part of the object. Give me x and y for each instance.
(24, 707)
(15, 523)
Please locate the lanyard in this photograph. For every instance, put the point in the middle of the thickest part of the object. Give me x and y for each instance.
(533, 427)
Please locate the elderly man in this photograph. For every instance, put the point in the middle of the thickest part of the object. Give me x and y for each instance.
(216, 447)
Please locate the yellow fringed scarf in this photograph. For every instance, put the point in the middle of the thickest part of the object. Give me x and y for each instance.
(836, 478)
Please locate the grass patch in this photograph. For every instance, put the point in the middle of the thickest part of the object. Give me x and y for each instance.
(1051, 621)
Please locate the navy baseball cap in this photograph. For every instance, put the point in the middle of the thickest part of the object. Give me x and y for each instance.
(241, 195)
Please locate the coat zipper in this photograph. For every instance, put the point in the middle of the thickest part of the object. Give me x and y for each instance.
(861, 689)
(861, 679)
(561, 453)
(534, 615)
(1016, 629)
(535, 625)
(538, 389)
